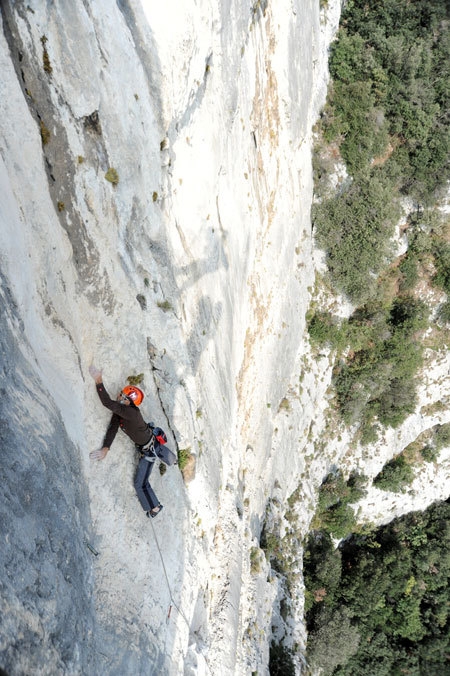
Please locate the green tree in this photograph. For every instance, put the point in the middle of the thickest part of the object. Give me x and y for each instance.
(280, 660)
(334, 642)
(395, 476)
(355, 229)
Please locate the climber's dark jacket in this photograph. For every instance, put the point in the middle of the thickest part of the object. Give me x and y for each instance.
(129, 418)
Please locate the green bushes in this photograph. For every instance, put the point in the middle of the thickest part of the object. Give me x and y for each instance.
(45, 57)
(442, 264)
(385, 114)
(429, 453)
(376, 381)
(398, 474)
(388, 590)
(361, 128)
(333, 514)
(135, 379)
(430, 442)
(442, 436)
(339, 520)
(354, 228)
(184, 457)
(440, 251)
(390, 73)
(409, 273)
(444, 313)
(334, 642)
(324, 330)
(255, 560)
(395, 476)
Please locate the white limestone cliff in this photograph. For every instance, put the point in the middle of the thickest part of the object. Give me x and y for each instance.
(195, 270)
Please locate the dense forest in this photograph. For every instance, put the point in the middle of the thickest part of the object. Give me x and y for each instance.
(391, 93)
(379, 605)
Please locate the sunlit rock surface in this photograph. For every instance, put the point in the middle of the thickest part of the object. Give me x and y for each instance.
(194, 267)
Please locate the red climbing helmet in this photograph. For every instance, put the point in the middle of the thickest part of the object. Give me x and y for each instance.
(134, 393)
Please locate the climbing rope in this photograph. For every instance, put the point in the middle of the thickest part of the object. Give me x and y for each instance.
(168, 583)
(171, 595)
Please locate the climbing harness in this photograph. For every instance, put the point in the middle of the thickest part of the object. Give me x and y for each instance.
(148, 448)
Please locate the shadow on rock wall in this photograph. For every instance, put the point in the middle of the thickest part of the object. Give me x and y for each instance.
(47, 618)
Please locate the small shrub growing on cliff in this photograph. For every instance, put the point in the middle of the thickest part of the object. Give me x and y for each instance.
(409, 273)
(112, 176)
(141, 299)
(284, 405)
(336, 489)
(187, 462)
(339, 520)
(324, 330)
(332, 490)
(442, 436)
(255, 560)
(135, 380)
(45, 57)
(45, 134)
(334, 514)
(270, 544)
(429, 453)
(184, 455)
(444, 313)
(165, 305)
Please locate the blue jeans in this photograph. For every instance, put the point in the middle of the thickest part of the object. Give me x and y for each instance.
(144, 491)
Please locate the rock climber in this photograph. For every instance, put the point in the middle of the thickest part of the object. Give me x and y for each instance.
(126, 414)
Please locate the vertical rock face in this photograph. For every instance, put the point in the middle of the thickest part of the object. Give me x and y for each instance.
(46, 578)
(155, 176)
(191, 263)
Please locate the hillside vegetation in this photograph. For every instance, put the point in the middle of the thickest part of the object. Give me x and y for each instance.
(379, 604)
(387, 119)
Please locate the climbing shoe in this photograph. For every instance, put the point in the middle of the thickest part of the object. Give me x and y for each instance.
(154, 512)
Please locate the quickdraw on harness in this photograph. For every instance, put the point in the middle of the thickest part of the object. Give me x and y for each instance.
(148, 450)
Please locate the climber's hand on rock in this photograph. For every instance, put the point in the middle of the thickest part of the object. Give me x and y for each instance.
(99, 454)
(95, 373)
